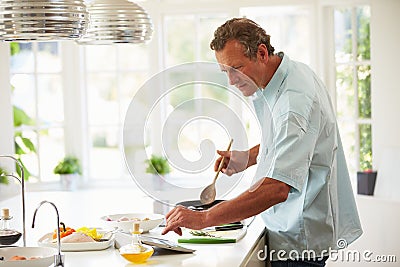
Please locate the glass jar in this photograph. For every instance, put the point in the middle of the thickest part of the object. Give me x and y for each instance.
(8, 236)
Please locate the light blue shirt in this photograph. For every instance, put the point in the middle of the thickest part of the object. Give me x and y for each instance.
(301, 147)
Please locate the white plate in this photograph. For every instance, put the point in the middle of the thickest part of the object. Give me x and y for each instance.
(46, 241)
(46, 256)
(126, 226)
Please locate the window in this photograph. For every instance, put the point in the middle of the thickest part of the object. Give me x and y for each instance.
(113, 75)
(189, 102)
(290, 31)
(37, 100)
(195, 33)
(288, 26)
(353, 84)
(109, 76)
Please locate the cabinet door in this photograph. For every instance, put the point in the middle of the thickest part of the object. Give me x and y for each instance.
(258, 254)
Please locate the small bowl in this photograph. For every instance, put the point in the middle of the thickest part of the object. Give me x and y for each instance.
(45, 256)
(126, 225)
(136, 258)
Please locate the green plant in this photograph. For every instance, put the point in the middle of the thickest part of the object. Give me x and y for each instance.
(68, 165)
(157, 164)
(23, 144)
(3, 179)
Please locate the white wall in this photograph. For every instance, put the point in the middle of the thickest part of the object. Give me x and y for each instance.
(7, 130)
(380, 221)
(6, 117)
(385, 58)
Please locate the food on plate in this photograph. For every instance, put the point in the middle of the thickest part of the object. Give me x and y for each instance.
(77, 237)
(22, 258)
(125, 219)
(64, 231)
(83, 234)
(92, 232)
(17, 258)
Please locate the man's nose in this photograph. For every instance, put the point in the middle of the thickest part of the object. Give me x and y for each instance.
(233, 77)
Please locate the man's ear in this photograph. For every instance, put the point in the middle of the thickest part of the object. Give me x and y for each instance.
(262, 51)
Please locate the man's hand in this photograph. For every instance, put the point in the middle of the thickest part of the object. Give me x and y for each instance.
(183, 217)
(234, 161)
(237, 161)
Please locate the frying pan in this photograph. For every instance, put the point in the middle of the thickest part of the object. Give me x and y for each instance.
(197, 205)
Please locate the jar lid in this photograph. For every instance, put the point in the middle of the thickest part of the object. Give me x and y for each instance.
(136, 229)
(5, 213)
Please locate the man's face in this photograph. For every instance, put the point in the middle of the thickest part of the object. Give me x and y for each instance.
(242, 72)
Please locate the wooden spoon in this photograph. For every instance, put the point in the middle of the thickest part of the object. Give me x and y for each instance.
(208, 194)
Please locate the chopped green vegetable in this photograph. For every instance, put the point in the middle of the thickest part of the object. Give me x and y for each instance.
(201, 233)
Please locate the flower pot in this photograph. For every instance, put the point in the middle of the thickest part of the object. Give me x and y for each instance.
(69, 182)
(366, 182)
(159, 181)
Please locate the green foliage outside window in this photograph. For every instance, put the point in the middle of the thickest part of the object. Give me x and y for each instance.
(365, 146)
(345, 81)
(22, 144)
(3, 179)
(364, 89)
(363, 40)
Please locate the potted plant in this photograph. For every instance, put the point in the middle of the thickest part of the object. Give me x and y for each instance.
(69, 170)
(159, 167)
(366, 182)
(157, 164)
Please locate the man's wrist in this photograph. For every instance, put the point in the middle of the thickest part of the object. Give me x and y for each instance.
(253, 153)
(206, 219)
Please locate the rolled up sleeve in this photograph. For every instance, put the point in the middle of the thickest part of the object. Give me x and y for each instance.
(294, 145)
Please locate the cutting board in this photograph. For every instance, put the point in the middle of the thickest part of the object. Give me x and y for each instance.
(217, 237)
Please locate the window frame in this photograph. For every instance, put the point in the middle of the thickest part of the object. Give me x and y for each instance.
(330, 72)
(73, 66)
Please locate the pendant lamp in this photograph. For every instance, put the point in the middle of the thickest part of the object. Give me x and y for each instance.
(42, 20)
(117, 21)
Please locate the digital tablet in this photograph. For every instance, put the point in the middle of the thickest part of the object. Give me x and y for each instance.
(122, 239)
(164, 243)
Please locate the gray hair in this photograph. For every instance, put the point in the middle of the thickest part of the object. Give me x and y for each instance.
(244, 30)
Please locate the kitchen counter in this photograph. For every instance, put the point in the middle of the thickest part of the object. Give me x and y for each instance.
(85, 207)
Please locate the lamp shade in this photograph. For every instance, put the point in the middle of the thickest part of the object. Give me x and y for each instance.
(117, 21)
(42, 20)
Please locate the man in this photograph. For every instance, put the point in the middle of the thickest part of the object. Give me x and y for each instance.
(303, 191)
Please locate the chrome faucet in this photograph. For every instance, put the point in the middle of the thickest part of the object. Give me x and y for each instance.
(58, 259)
(22, 182)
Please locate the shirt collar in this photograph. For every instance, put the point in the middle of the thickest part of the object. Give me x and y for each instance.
(271, 92)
